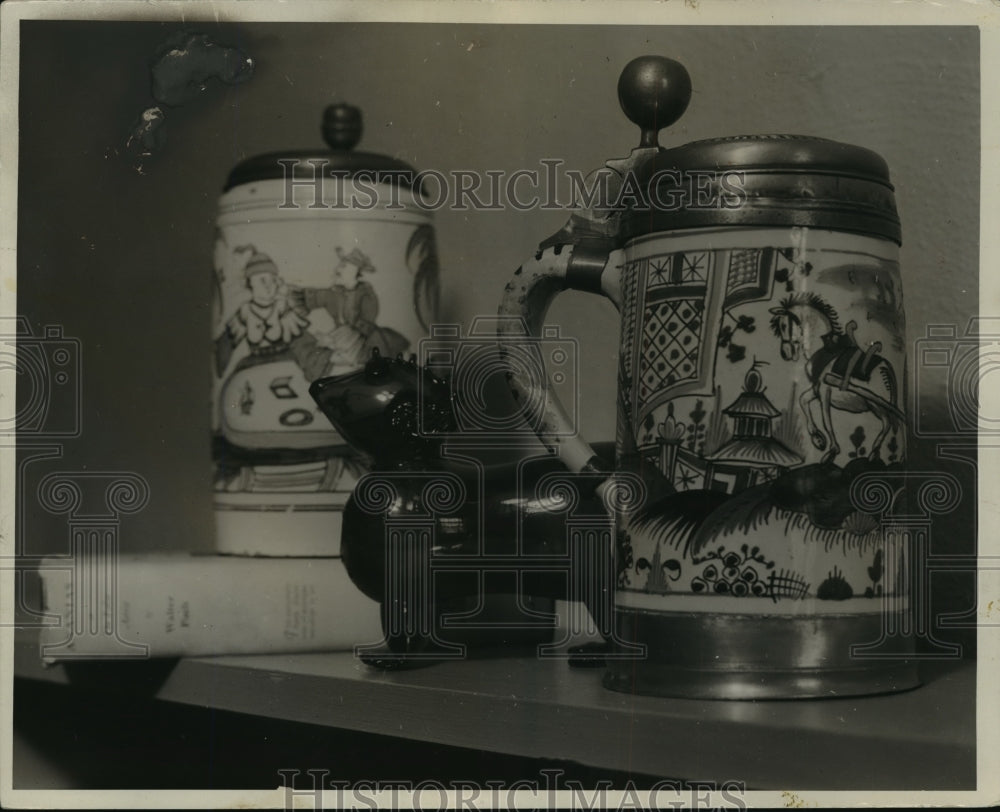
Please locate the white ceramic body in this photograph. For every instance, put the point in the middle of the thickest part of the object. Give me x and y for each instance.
(749, 473)
(340, 279)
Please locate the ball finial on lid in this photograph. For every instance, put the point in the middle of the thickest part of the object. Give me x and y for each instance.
(654, 92)
(341, 126)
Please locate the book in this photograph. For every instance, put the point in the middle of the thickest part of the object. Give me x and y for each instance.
(182, 604)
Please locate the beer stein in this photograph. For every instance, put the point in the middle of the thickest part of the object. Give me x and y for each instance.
(320, 259)
(760, 387)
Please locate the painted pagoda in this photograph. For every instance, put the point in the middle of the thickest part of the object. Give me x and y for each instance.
(753, 455)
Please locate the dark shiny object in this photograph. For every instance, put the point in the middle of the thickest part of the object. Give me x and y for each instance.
(375, 409)
(397, 413)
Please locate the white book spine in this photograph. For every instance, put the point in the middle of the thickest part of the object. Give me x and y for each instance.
(168, 605)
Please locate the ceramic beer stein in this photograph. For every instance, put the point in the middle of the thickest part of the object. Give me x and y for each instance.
(320, 259)
(760, 381)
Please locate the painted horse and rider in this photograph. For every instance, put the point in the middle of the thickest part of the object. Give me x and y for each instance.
(842, 375)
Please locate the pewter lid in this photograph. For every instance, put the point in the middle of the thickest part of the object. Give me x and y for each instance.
(768, 180)
(744, 180)
(341, 128)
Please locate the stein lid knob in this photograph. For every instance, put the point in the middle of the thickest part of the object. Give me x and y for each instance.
(342, 126)
(341, 129)
(654, 92)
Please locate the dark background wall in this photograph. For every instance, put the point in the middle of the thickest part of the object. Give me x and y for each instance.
(121, 259)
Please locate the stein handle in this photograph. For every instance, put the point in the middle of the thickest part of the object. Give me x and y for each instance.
(654, 93)
(525, 304)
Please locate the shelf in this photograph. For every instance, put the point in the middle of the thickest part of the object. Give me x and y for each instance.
(921, 739)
